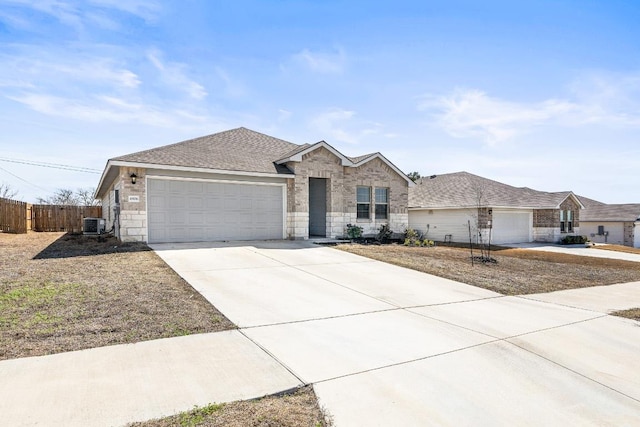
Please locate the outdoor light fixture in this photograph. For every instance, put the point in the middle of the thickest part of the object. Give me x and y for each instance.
(133, 177)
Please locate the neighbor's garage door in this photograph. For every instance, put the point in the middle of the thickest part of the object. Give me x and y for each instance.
(511, 226)
(201, 211)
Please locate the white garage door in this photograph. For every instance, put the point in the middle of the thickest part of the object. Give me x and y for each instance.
(202, 211)
(511, 227)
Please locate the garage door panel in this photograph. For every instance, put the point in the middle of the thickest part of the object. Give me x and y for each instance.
(183, 211)
(511, 227)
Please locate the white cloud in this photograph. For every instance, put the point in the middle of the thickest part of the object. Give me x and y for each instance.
(55, 70)
(110, 109)
(341, 125)
(79, 15)
(284, 115)
(474, 114)
(322, 62)
(174, 74)
(145, 9)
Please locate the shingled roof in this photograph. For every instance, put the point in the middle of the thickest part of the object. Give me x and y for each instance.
(465, 190)
(238, 149)
(622, 212)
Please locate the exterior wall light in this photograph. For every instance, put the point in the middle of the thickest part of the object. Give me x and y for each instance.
(133, 177)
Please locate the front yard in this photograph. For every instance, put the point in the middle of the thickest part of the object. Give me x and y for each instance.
(61, 293)
(517, 271)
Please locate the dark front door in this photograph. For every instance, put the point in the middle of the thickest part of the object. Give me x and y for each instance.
(318, 207)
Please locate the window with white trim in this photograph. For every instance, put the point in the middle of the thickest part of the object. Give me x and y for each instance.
(363, 202)
(382, 203)
(566, 221)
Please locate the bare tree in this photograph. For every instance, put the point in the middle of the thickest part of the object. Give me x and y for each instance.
(85, 195)
(62, 196)
(7, 192)
(482, 224)
(66, 196)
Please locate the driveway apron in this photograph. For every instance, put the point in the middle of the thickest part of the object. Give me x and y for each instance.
(384, 345)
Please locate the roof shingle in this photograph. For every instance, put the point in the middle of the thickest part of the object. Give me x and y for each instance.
(238, 149)
(464, 190)
(621, 212)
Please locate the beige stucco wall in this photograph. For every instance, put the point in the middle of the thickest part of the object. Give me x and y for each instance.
(615, 230)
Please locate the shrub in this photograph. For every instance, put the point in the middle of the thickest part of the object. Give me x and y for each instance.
(354, 232)
(416, 238)
(573, 240)
(384, 233)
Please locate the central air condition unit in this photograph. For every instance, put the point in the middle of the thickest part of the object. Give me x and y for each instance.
(93, 226)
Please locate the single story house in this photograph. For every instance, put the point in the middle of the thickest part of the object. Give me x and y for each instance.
(616, 224)
(459, 206)
(244, 185)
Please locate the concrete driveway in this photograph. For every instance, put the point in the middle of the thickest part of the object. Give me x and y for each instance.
(386, 346)
(579, 250)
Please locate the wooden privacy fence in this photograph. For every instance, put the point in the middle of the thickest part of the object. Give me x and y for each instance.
(62, 217)
(13, 216)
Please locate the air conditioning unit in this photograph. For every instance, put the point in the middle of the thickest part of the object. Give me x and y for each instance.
(93, 226)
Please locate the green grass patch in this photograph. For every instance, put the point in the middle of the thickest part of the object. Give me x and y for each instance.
(37, 306)
(198, 415)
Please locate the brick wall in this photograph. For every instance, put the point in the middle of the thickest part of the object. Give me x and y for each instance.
(547, 218)
(341, 193)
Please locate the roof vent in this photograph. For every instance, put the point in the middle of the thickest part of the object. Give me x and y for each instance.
(432, 176)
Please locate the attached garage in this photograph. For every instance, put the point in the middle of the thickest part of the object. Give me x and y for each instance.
(200, 210)
(511, 226)
(443, 223)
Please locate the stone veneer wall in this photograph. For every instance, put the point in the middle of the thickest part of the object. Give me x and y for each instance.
(341, 194)
(133, 215)
(627, 230)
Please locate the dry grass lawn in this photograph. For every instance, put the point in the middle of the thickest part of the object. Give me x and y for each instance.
(632, 313)
(299, 409)
(517, 271)
(619, 248)
(61, 292)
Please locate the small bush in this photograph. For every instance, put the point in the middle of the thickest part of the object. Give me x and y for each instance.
(416, 238)
(573, 240)
(384, 233)
(354, 232)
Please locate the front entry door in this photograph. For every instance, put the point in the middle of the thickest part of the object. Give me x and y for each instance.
(318, 207)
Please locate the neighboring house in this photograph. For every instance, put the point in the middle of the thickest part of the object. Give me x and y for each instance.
(462, 206)
(615, 224)
(244, 185)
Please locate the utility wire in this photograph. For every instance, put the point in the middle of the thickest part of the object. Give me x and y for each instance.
(24, 180)
(50, 165)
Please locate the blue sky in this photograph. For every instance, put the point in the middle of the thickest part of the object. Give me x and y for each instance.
(543, 94)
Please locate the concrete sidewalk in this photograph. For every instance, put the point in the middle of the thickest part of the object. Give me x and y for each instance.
(116, 385)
